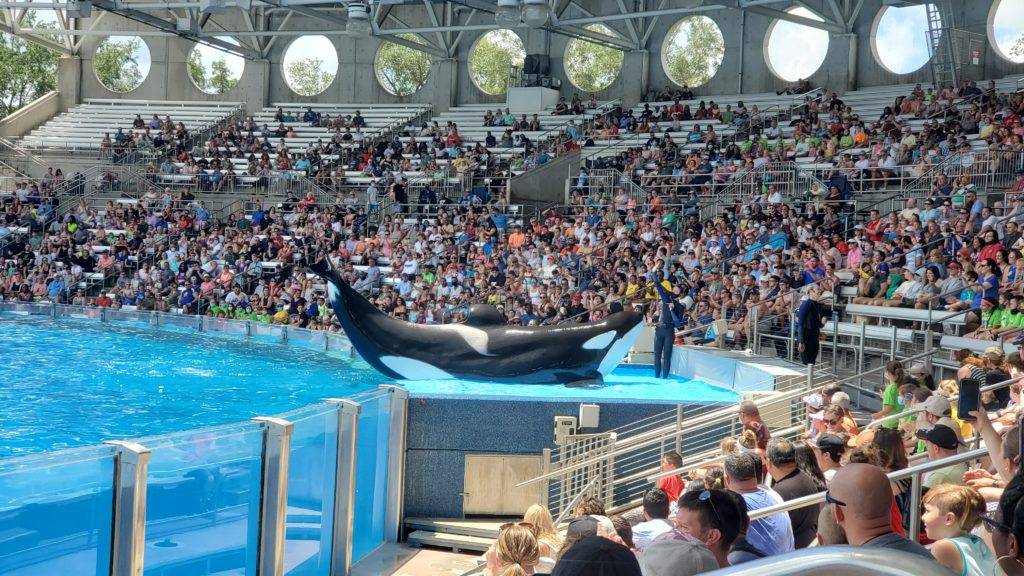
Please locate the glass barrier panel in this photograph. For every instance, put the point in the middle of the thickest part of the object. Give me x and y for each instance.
(371, 474)
(306, 338)
(179, 322)
(224, 326)
(142, 316)
(203, 502)
(72, 311)
(338, 343)
(56, 513)
(27, 308)
(311, 485)
(270, 333)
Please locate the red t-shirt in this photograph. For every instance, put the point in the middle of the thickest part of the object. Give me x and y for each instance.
(673, 487)
(760, 430)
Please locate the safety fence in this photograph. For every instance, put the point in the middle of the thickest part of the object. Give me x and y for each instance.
(304, 493)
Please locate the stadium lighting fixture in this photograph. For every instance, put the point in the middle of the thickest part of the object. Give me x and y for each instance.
(358, 19)
(536, 13)
(508, 13)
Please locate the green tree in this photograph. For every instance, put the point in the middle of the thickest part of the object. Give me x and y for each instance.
(592, 67)
(196, 69)
(492, 57)
(221, 78)
(694, 51)
(27, 70)
(402, 70)
(307, 76)
(117, 65)
(1017, 50)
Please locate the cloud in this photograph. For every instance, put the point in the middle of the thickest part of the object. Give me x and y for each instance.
(901, 40)
(1008, 26)
(313, 47)
(796, 51)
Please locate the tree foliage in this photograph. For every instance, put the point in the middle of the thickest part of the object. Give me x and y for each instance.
(491, 59)
(308, 76)
(27, 70)
(117, 64)
(693, 51)
(1017, 50)
(592, 67)
(402, 70)
(215, 77)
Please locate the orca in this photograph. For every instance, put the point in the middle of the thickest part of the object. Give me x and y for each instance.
(484, 347)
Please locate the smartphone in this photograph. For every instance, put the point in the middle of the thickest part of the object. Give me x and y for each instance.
(970, 398)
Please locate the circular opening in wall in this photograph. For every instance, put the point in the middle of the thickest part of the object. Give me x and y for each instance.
(692, 51)
(899, 38)
(310, 65)
(492, 57)
(1006, 29)
(402, 70)
(214, 70)
(795, 51)
(122, 63)
(592, 67)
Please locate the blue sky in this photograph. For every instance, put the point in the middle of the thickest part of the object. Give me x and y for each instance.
(900, 40)
(796, 51)
(1008, 25)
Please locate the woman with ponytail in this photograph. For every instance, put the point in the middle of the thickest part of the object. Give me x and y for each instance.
(515, 553)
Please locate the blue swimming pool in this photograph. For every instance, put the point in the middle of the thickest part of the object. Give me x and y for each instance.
(74, 382)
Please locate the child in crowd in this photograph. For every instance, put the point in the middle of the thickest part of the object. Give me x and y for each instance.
(950, 513)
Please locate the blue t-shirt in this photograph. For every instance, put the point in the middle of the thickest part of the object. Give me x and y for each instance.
(772, 534)
(993, 290)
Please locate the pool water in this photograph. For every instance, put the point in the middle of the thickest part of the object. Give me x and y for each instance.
(68, 382)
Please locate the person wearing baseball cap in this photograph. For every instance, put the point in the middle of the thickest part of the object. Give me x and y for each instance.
(828, 450)
(941, 442)
(676, 554)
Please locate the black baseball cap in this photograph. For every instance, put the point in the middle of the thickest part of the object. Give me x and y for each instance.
(830, 443)
(941, 435)
(582, 526)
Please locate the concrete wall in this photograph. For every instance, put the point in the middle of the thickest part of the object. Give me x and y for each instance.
(850, 61)
(31, 115)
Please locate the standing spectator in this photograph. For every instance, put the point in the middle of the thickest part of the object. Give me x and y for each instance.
(750, 418)
(950, 514)
(791, 483)
(809, 321)
(656, 522)
(829, 449)
(860, 497)
(772, 534)
(891, 401)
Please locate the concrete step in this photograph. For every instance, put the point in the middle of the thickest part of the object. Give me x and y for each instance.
(479, 528)
(455, 542)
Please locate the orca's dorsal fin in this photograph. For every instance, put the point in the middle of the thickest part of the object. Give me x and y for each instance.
(484, 315)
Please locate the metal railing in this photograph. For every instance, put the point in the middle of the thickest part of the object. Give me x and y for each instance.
(832, 560)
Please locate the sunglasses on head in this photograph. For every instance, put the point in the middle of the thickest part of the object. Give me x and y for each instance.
(992, 525)
(830, 500)
(508, 525)
(705, 496)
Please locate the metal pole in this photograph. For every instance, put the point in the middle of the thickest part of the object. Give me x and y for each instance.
(915, 507)
(860, 352)
(344, 486)
(835, 340)
(792, 334)
(129, 530)
(277, 437)
(810, 376)
(679, 429)
(753, 331)
(398, 409)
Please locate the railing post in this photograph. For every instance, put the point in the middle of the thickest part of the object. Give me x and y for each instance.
(277, 439)
(344, 486)
(810, 376)
(679, 429)
(753, 331)
(835, 341)
(129, 530)
(915, 507)
(398, 408)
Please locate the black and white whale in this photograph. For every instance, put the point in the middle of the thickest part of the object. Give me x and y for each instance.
(482, 348)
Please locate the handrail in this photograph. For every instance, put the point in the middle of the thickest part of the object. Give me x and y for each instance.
(895, 475)
(705, 420)
(576, 499)
(915, 410)
(846, 560)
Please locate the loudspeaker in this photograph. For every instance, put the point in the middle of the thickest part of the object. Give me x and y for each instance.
(79, 9)
(537, 64)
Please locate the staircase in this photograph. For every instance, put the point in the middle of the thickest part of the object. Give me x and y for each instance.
(458, 535)
(940, 44)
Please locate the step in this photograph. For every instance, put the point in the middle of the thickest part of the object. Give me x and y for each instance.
(479, 528)
(455, 542)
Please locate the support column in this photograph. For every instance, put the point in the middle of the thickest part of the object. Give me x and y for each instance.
(398, 410)
(344, 486)
(129, 532)
(446, 84)
(69, 81)
(635, 61)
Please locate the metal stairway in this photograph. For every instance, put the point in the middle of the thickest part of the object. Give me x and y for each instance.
(941, 44)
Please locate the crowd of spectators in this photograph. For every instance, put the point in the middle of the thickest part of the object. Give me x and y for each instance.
(971, 519)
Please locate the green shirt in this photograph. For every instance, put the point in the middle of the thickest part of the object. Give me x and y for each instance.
(894, 282)
(891, 399)
(991, 319)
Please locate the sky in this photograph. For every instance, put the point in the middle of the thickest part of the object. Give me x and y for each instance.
(796, 51)
(312, 47)
(141, 54)
(1008, 25)
(209, 54)
(901, 39)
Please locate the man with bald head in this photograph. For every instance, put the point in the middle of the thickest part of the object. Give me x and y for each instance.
(860, 496)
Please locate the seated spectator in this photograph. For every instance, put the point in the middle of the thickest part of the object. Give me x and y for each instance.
(791, 483)
(712, 517)
(656, 522)
(770, 535)
(515, 553)
(829, 450)
(597, 556)
(672, 485)
(676, 554)
(859, 498)
(829, 531)
(951, 512)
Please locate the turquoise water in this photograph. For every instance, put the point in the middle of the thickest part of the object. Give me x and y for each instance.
(70, 382)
